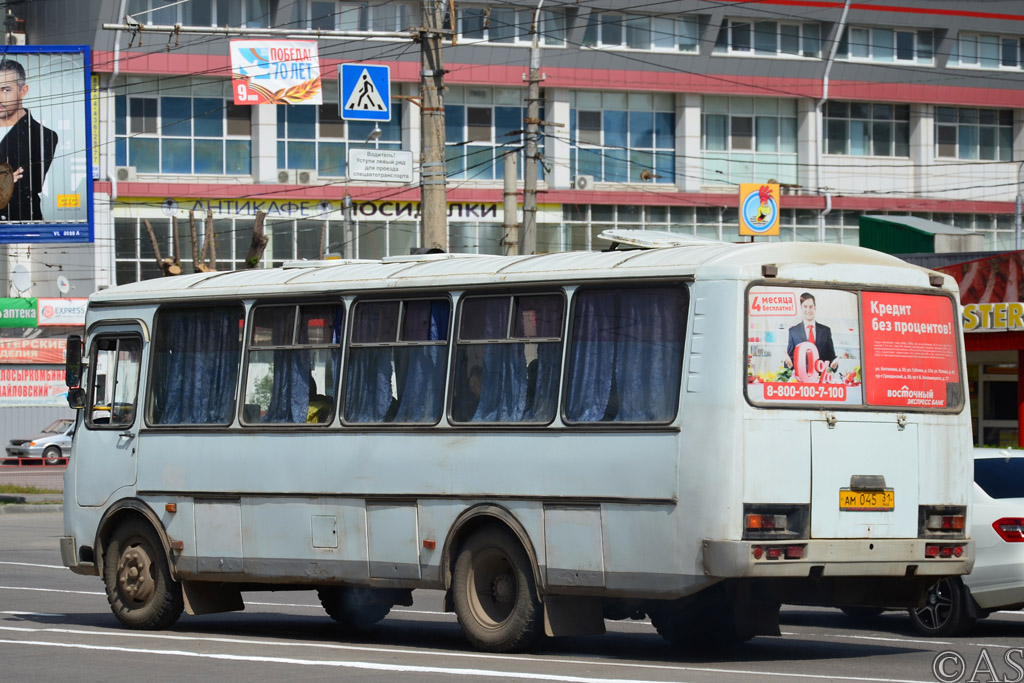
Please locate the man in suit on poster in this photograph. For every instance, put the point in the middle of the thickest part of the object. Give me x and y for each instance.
(26, 145)
(810, 330)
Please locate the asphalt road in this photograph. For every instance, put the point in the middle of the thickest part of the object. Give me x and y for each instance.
(55, 625)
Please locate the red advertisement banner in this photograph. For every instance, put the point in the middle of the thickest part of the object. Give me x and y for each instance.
(33, 351)
(910, 351)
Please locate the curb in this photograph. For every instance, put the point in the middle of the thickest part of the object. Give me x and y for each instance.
(21, 507)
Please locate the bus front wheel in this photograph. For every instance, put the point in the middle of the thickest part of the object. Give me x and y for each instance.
(138, 580)
(494, 593)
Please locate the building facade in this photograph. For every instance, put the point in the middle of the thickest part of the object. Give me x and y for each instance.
(659, 110)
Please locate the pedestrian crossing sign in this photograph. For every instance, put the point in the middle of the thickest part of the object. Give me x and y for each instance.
(365, 92)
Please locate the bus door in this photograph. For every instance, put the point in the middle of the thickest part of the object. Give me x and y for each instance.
(864, 479)
(106, 453)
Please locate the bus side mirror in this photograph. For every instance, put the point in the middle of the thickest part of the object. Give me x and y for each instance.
(73, 362)
(76, 398)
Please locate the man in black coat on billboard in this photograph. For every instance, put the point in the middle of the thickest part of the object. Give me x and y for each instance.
(27, 145)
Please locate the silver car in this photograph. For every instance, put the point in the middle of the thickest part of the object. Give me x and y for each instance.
(52, 445)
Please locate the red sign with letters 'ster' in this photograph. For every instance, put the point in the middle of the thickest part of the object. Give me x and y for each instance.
(910, 350)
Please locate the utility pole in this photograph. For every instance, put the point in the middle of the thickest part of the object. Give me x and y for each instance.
(434, 202)
(510, 239)
(529, 245)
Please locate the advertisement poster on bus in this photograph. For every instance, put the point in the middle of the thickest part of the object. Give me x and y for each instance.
(910, 350)
(45, 145)
(275, 72)
(803, 346)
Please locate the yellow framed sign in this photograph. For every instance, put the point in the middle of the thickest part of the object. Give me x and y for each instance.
(759, 209)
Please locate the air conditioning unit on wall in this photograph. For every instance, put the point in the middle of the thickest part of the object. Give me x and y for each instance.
(583, 182)
(126, 174)
(296, 177)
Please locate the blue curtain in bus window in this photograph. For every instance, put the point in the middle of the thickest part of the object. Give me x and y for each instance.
(368, 392)
(626, 355)
(649, 355)
(420, 370)
(503, 383)
(196, 366)
(289, 398)
(591, 357)
(542, 384)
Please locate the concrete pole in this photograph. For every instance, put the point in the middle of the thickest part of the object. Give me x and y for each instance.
(434, 202)
(348, 250)
(529, 245)
(510, 240)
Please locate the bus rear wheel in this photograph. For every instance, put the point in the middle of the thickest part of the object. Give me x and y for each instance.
(355, 608)
(138, 580)
(494, 593)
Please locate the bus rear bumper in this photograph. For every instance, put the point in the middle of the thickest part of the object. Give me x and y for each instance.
(833, 557)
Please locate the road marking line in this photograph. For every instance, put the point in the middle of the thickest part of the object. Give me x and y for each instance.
(886, 639)
(29, 564)
(49, 590)
(31, 614)
(463, 655)
(337, 664)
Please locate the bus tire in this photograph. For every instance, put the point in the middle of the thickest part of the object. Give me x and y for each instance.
(52, 456)
(354, 608)
(858, 613)
(494, 593)
(945, 609)
(138, 580)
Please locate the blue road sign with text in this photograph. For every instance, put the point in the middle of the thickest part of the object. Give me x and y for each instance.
(365, 92)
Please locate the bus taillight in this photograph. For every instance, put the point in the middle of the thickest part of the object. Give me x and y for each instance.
(933, 550)
(759, 522)
(1010, 529)
(946, 522)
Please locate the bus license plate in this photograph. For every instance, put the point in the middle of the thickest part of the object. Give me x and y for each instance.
(866, 501)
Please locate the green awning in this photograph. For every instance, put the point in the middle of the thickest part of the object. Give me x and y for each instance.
(913, 235)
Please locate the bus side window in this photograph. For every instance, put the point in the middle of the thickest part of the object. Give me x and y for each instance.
(508, 359)
(196, 356)
(292, 364)
(397, 362)
(115, 381)
(626, 354)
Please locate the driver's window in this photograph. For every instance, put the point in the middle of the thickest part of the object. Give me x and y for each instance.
(114, 387)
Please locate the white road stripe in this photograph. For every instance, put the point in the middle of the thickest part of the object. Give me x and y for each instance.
(596, 661)
(368, 666)
(31, 614)
(50, 590)
(29, 564)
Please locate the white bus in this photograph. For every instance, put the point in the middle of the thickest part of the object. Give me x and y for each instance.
(697, 432)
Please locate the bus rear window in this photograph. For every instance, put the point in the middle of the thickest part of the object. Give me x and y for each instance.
(821, 346)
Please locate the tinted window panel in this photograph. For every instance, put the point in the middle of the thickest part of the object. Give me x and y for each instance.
(1000, 477)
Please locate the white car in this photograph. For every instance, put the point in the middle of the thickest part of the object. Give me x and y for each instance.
(52, 445)
(997, 526)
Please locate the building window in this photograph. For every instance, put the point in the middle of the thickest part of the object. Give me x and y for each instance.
(509, 25)
(193, 129)
(481, 126)
(315, 137)
(746, 137)
(887, 45)
(623, 137)
(641, 32)
(768, 38)
(235, 13)
(867, 129)
(356, 16)
(986, 51)
(966, 133)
